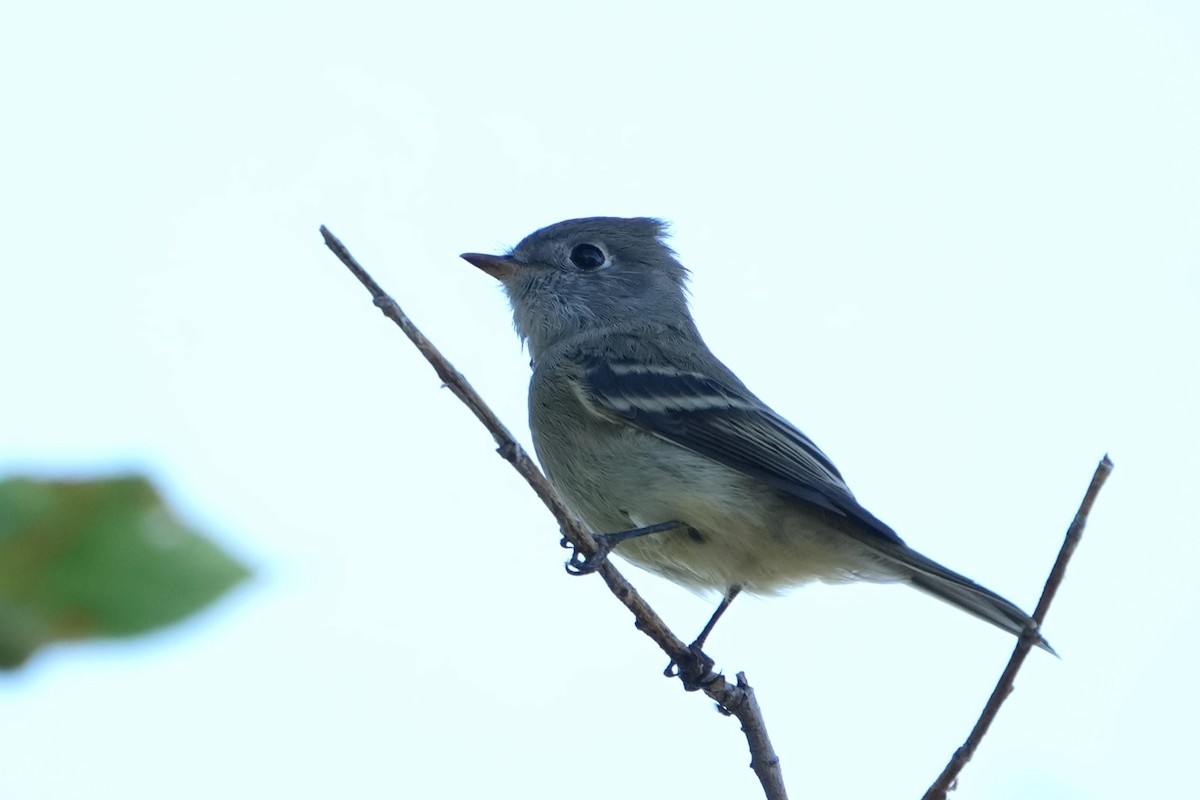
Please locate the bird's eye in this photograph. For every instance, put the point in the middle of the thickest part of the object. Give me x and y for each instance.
(587, 256)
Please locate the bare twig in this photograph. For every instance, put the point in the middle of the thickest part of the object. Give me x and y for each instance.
(735, 699)
(947, 781)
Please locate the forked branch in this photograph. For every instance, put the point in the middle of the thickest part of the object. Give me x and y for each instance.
(736, 699)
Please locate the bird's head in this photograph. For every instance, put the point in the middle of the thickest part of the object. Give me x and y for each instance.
(589, 273)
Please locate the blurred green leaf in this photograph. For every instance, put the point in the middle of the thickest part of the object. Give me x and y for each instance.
(99, 558)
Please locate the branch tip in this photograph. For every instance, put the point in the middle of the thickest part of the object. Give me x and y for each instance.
(948, 780)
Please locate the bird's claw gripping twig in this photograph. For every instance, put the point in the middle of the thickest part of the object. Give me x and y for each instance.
(579, 564)
(695, 669)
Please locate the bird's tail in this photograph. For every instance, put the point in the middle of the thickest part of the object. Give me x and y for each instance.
(944, 584)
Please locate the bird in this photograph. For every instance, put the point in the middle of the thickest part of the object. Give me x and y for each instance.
(666, 455)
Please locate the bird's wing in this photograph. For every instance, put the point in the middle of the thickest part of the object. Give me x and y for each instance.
(723, 421)
(720, 419)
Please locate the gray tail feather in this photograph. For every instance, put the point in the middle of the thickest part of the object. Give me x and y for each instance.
(932, 578)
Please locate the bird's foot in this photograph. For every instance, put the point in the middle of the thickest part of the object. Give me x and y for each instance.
(579, 564)
(695, 669)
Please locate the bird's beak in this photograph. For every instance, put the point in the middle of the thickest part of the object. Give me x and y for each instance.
(499, 267)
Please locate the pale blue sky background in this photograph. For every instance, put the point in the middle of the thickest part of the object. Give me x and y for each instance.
(958, 245)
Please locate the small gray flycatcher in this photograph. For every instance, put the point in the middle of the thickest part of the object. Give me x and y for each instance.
(654, 442)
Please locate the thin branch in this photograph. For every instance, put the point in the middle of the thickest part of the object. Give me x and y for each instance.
(737, 699)
(947, 781)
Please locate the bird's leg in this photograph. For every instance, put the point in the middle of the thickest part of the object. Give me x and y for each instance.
(579, 564)
(733, 592)
(694, 670)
